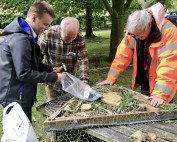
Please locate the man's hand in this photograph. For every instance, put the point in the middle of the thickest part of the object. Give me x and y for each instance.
(155, 101)
(57, 69)
(61, 76)
(86, 81)
(103, 83)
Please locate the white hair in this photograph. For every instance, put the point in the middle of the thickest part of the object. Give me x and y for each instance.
(138, 20)
(70, 24)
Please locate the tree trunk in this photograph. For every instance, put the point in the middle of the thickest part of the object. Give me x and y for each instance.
(116, 12)
(116, 28)
(114, 37)
(88, 28)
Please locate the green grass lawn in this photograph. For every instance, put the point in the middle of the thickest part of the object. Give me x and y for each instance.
(98, 49)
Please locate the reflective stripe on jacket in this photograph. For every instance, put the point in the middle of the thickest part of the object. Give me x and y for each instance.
(163, 67)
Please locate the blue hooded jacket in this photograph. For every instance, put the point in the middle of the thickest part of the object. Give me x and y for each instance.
(20, 66)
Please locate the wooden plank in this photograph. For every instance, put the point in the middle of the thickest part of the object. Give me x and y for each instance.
(111, 133)
(169, 127)
(108, 135)
(159, 133)
(127, 130)
(55, 114)
(124, 129)
(52, 136)
(63, 123)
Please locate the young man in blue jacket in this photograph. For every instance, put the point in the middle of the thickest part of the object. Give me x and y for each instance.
(20, 66)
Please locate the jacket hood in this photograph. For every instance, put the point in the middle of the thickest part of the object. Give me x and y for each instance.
(18, 25)
(158, 12)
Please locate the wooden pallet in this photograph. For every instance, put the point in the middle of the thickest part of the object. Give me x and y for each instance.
(59, 123)
(164, 131)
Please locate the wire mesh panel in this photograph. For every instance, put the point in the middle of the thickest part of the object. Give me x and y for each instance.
(80, 120)
(52, 106)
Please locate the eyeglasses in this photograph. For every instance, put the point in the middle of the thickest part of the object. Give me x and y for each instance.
(139, 34)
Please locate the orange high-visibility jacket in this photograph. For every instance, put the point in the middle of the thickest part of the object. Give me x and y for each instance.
(163, 67)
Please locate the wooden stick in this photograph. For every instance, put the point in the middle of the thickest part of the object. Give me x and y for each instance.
(52, 117)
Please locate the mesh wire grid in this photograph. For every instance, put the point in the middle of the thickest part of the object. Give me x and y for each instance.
(105, 126)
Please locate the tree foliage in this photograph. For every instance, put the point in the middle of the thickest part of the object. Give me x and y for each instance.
(10, 9)
(82, 9)
(85, 10)
(118, 10)
(148, 3)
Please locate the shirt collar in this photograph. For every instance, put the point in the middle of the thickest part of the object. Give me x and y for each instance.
(33, 33)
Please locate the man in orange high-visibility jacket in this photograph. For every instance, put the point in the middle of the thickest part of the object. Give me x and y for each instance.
(151, 41)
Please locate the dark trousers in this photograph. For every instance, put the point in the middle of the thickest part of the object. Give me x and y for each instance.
(28, 111)
(145, 87)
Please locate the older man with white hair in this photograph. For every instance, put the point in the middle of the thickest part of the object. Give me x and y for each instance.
(64, 45)
(151, 41)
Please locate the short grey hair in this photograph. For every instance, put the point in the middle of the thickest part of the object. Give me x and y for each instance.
(138, 20)
(70, 23)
